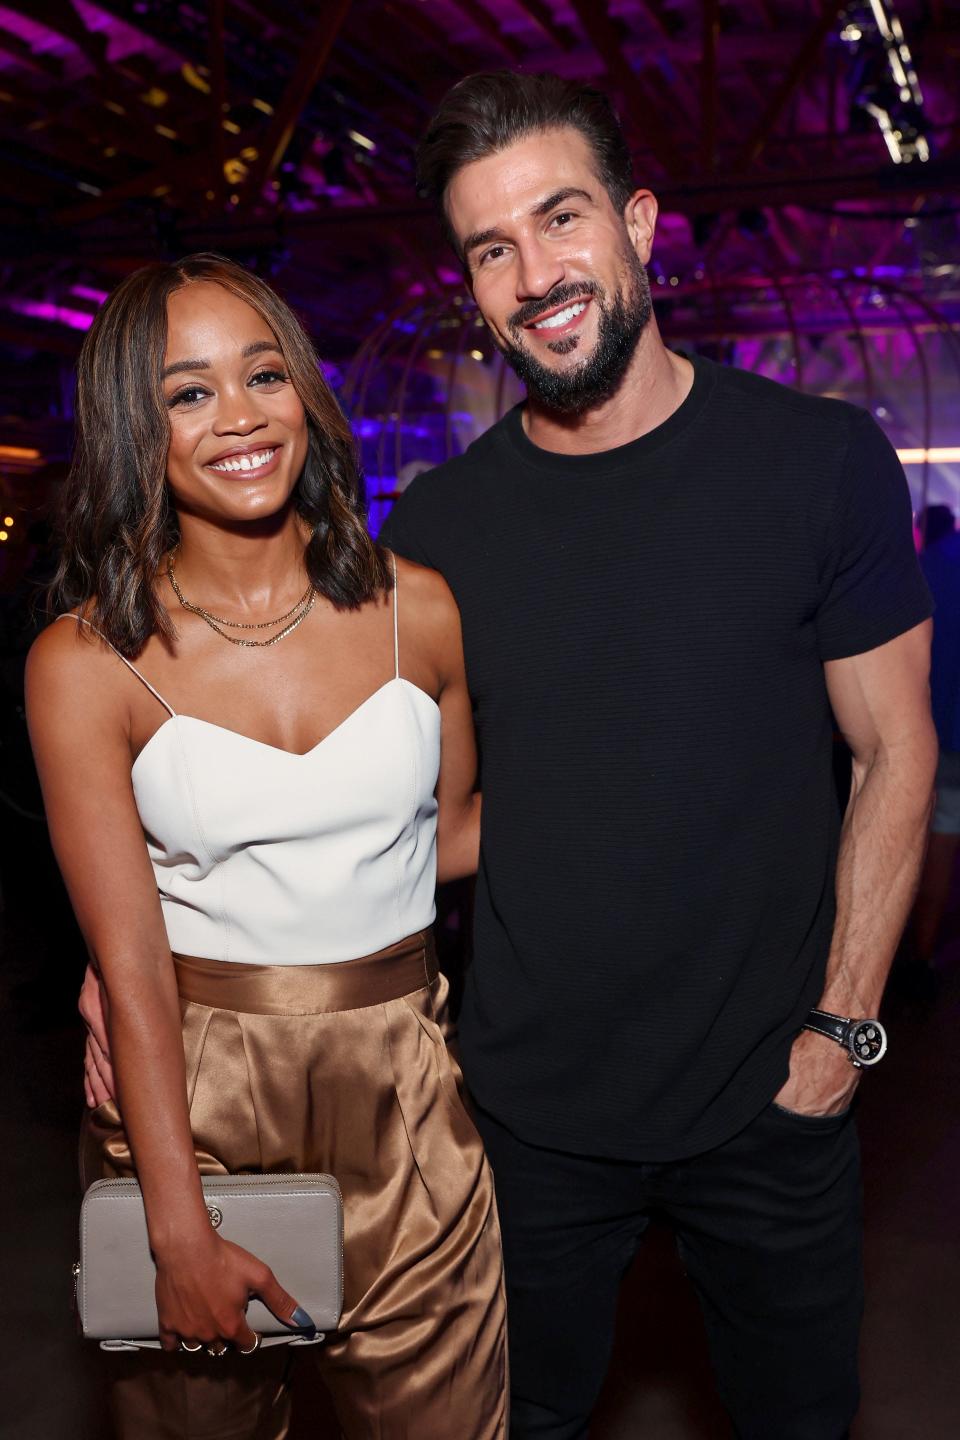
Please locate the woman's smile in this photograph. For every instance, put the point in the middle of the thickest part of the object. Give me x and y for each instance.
(247, 459)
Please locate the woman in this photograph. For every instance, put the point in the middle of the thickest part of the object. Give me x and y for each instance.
(251, 809)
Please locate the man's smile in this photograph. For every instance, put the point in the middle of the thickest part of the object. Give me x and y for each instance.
(560, 321)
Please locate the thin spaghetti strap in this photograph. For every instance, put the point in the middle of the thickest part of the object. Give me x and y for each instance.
(396, 627)
(142, 678)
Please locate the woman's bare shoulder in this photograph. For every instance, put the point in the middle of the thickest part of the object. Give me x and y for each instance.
(426, 590)
(430, 619)
(67, 641)
(70, 665)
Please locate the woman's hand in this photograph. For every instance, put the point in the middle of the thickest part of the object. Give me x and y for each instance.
(202, 1294)
(98, 1082)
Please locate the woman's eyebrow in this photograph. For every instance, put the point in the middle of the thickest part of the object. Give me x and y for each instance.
(179, 366)
(256, 347)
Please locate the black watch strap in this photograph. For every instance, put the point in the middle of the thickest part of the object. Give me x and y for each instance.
(834, 1027)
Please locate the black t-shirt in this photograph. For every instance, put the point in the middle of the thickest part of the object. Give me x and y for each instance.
(645, 630)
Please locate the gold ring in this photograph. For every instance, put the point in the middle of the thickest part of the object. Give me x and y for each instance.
(189, 1349)
(255, 1346)
(217, 1354)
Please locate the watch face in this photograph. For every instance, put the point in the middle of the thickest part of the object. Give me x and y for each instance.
(867, 1041)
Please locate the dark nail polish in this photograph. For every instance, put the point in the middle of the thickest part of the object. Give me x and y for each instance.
(302, 1320)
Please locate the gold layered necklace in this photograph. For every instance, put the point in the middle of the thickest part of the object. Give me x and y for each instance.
(299, 612)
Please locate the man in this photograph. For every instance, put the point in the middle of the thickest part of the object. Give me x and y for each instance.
(669, 574)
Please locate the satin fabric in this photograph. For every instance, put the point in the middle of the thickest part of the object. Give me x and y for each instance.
(343, 1069)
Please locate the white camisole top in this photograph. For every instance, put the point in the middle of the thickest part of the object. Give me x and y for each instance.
(263, 856)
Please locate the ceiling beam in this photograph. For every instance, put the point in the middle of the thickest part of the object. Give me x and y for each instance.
(667, 23)
(218, 98)
(177, 175)
(60, 17)
(543, 16)
(809, 186)
(126, 15)
(603, 35)
(314, 55)
(358, 62)
(766, 10)
(458, 60)
(136, 134)
(732, 323)
(487, 25)
(709, 85)
(801, 65)
(71, 148)
(52, 339)
(20, 51)
(702, 195)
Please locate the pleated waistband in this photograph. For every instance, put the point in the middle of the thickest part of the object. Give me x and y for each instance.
(400, 969)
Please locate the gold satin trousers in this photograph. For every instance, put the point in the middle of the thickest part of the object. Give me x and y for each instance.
(343, 1069)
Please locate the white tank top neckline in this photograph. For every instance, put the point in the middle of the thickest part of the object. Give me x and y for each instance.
(293, 857)
(175, 716)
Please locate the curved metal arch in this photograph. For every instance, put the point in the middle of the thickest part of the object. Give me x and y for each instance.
(382, 345)
(420, 339)
(788, 310)
(897, 298)
(389, 340)
(860, 340)
(456, 355)
(951, 332)
(359, 361)
(927, 391)
(358, 375)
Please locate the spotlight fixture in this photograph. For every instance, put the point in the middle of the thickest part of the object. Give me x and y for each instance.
(884, 82)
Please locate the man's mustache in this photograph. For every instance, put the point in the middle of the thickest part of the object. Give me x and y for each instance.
(564, 294)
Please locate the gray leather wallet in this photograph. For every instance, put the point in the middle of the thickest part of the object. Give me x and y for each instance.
(293, 1223)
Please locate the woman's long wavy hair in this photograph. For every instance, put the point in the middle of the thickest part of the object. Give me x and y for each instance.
(116, 522)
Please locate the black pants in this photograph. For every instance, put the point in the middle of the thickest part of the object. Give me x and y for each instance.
(768, 1228)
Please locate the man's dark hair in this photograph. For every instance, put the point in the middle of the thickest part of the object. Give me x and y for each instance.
(487, 112)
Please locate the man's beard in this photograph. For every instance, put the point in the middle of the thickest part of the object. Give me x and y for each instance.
(598, 378)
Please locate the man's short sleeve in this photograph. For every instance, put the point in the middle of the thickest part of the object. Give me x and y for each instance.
(873, 588)
(405, 529)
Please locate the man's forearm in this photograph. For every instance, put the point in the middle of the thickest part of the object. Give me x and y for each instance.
(881, 851)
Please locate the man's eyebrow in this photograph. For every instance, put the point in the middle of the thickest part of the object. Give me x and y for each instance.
(542, 207)
(480, 237)
(256, 347)
(569, 192)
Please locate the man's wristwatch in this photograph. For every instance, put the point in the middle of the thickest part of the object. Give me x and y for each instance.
(865, 1041)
